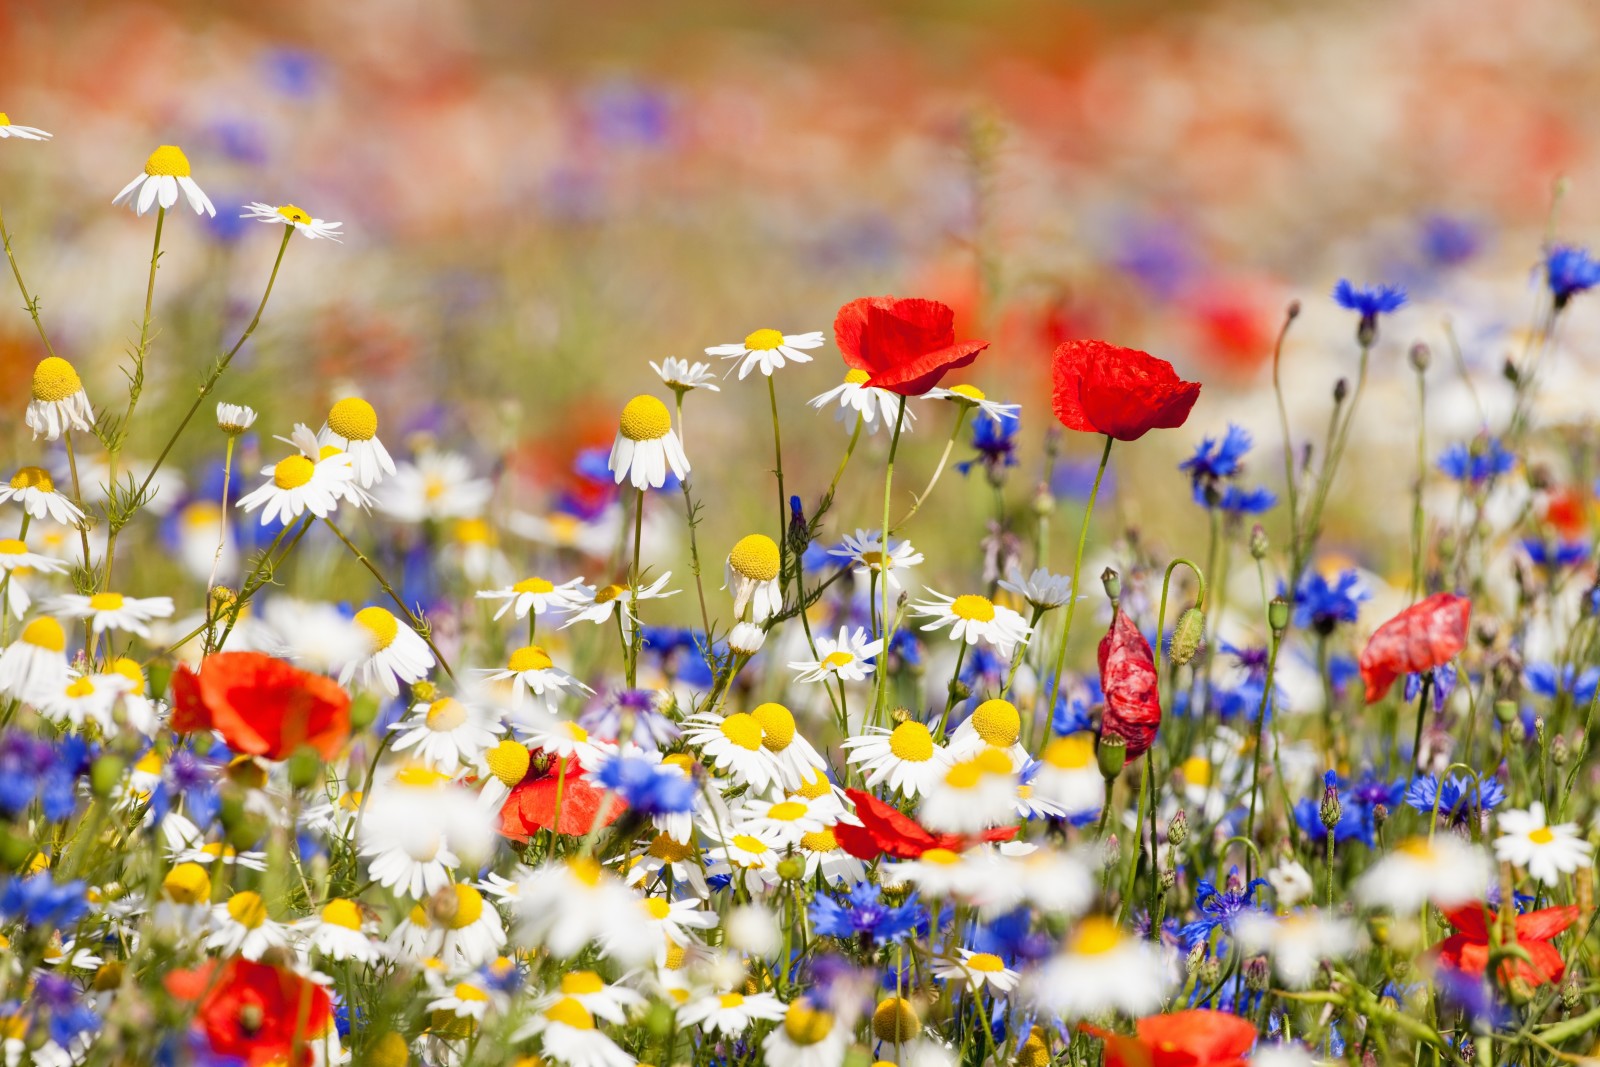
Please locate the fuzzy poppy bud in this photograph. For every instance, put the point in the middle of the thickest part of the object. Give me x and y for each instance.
(1278, 614)
(1186, 636)
(1421, 356)
(1112, 754)
(1112, 581)
(791, 868)
(1258, 542)
(363, 710)
(1178, 829)
(1505, 711)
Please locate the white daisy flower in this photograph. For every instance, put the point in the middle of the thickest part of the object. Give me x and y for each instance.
(565, 740)
(145, 715)
(86, 698)
(36, 662)
(1052, 880)
(1100, 970)
(314, 635)
(1069, 774)
(467, 933)
(16, 563)
(942, 873)
(826, 858)
(35, 492)
(668, 856)
(353, 426)
(538, 595)
(1544, 851)
(419, 827)
(808, 1037)
(732, 744)
(680, 375)
(22, 133)
(905, 758)
(338, 932)
(567, 904)
(465, 1000)
(59, 402)
(298, 484)
(970, 396)
(166, 172)
(749, 858)
(768, 350)
(731, 1013)
(535, 679)
(646, 445)
(567, 1034)
(235, 419)
(596, 604)
(848, 659)
(787, 820)
(396, 653)
(672, 922)
(1291, 883)
(1444, 870)
(244, 927)
(1297, 942)
(435, 485)
(977, 971)
(971, 796)
(994, 724)
(1041, 589)
(874, 406)
(113, 611)
(613, 1003)
(289, 215)
(864, 548)
(974, 618)
(447, 733)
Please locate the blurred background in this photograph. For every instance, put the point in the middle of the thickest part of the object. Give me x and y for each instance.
(538, 198)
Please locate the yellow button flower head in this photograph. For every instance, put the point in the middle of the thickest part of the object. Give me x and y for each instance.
(353, 426)
(165, 173)
(646, 445)
(295, 218)
(752, 577)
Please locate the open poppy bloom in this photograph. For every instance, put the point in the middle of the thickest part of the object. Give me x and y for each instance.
(887, 831)
(1424, 636)
(905, 345)
(262, 706)
(1120, 392)
(255, 1012)
(560, 791)
(1195, 1038)
(1128, 677)
(1468, 948)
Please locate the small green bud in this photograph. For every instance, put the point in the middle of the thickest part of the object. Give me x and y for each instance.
(363, 710)
(159, 675)
(1187, 634)
(1112, 754)
(659, 1020)
(1421, 356)
(104, 774)
(1044, 505)
(1258, 542)
(1278, 614)
(1169, 878)
(1113, 584)
(231, 812)
(424, 692)
(791, 868)
(1560, 751)
(1505, 711)
(305, 768)
(247, 832)
(1178, 829)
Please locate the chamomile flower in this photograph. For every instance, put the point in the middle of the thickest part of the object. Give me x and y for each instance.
(746, 638)
(864, 548)
(1069, 774)
(808, 1037)
(36, 662)
(826, 858)
(535, 679)
(140, 711)
(564, 739)
(731, 1013)
(166, 172)
(1051, 880)
(338, 932)
(977, 971)
(418, 828)
(59, 402)
(113, 611)
(970, 396)
(786, 820)
(567, 1034)
(1041, 589)
(752, 577)
(768, 349)
(847, 660)
(447, 733)
(244, 927)
(21, 133)
(974, 618)
(597, 603)
(434, 485)
(314, 635)
(994, 724)
(235, 419)
(972, 795)
(298, 484)
(466, 932)
(396, 653)
(1444, 870)
(732, 744)
(874, 407)
(905, 758)
(681, 376)
(16, 563)
(1544, 851)
(943, 873)
(646, 445)
(353, 426)
(613, 1003)
(748, 857)
(538, 595)
(85, 699)
(465, 1000)
(289, 215)
(35, 492)
(668, 856)
(1297, 942)
(1101, 969)
(567, 904)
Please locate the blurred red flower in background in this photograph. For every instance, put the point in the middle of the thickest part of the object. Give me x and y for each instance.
(256, 1012)
(1119, 392)
(1420, 638)
(1194, 1038)
(906, 345)
(1468, 948)
(887, 831)
(262, 706)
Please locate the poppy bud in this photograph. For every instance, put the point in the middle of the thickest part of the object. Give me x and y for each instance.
(1178, 829)
(1044, 505)
(1421, 356)
(1341, 389)
(231, 811)
(1278, 614)
(1111, 753)
(305, 768)
(1258, 542)
(363, 710)
(791, 868)
(1505, 711)
(1186, 636)
(1113, 584)
(104, 774)
(158, 675)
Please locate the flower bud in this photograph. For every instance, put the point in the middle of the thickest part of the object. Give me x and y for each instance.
(1341, 389)
(1560, 751)
(104, 774)
(1044, 505)
(1112, 754)
(1257, 974)
(1186, 636)
(1258, 542)
(1330, 811)
(1292, 312)
(1178, 829)
(791, 868)
(1111, 853)
(1169, 878)
(363, 710)
(424, 692)
(1421, 356)
(305, 768)
(1197, 956)
(1113, 584)
(959, 690)
(1367, 331)
(1380, 815)
(1509, 372)
(1505, 711)
(1278, 614)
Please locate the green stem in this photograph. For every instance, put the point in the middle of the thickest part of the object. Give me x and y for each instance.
(372, 568)
(944, 458)
(1077, 569)
(887, 634)
(633, 592)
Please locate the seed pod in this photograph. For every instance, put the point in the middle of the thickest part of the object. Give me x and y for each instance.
(1113, 584)
(1112, 754)
(1186, 636)
(1278, 614)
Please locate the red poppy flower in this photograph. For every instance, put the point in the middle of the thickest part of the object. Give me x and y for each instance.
(1194, 1038)
(1128, 678)
(1468, 948)
(261, 706)
(1120, 392)
(256, 1012)
(887, 831)
(1422, 637)
(533, 803)
(905, 345)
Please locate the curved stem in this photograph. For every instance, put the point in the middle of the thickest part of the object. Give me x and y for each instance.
(1161, 614)
(944, 458)
(1077, 568)
(416, 623)
(783, 499)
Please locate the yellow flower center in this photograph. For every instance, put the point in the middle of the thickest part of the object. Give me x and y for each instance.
(469, 907)
(753, 845)
(33, 478)
(445, 714)
(963, 775)
(1541, 836)
(804, 1025)
(351, 418)
(247, 909)
(508, 761)
(168, 161)
(581, 983)
(645, 419)
(763, 340)
(856, 377)
(292, 473)
(106, 602)
(787, 811)
(993, 760)
(569, 1012)
(973, 608)
(607, 593)
(529, 658)
(5, 120)
(755, 557)
(822, 840)
(473, 532)
(1196, 770)
(342, 913)
(664, 848)
(911, 741)
(838, 659)
(987, 962)
(45, 633)
(470, 993)
(585, 870)
(681, 760)
(1070, 753)
(381, 626)
(1096, 935)
(419, 776)
(1417, 848)
(149, 763)
(533, 585)
(777, 725)
(676, 956)
(295, 214)
(80, 687)
(971, 392)
(743, 730)
(815, 785)
(658, 908)
(942, 857)
(54, 379)
(997, 722)
(187, 883)
(12, 547)
(328, 452)
(731, 1000)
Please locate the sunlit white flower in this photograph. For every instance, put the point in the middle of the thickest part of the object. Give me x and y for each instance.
(1069, 774)
(59, 402)
(564, 739)
(752, 576)
(827, 859)
(352, 426)
(435, 485)
(289, 215)
(566, 904)
(1051, 880)
(314, 635)
(300, 483)
(395, 653)
(419, 827)
(971, 795)
(165, 173)
(610, 1002)
(732, 744)
(567, 1034)
(864, 548)
(535, 679)
(849, 659)
(1291, 883)
(680, 375)
(993, 724)
(731, 1013)
(1544, 851)
(538, 595)
(746, 639)
(466, 933)
(672, 922)
(1444, 870)
(808, 1037)
(786, 820)
(768, 350)
(447, 733)
(244, 927)
(974, 618)
(646, 445)
(36, 662)
(597, 603)
(970, 396)
(905, 758)
(338, 932)
(466, 1000)
(21, 133)
(871, 405)
(1041, 589)
(942, 873)
(113, 611)
(35, 492)
(1100, 970)
(1297, 942)
(978, 970)
(752, 858)
(16, 564)
(86, 698)
(235, 419)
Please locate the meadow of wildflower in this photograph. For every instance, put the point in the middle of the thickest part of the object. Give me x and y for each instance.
(488, 576)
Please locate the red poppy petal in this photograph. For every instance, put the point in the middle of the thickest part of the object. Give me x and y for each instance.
(895, 833)
(1121, 392)
(1546, 923)
(1128, 678)
(1422, 637)
(1469, 920)
(1207, 1037)
(562, 790)
(917, 375)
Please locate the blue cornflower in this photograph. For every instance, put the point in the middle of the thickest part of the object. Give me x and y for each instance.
(1448, 241)
(24, 760)
(39, 901)
(1555, 557)
(1460, 798)
(1442, 682)
(57, 996)
(1548, 681)
(649, 788)
(1368, 301)
(1221, 908)
(862, 914)
(1075, 703)
(1320, 606)
(996, 443)
(1074, 481)
(905, 650)
(1013, 938)
(1218, 458)
(1570, 270)
(1253, 660)
(1480, 462)
(1238, 501)
(642, 708)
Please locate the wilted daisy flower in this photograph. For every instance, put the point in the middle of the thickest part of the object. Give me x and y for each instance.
(848, 659)
(538, 595)
(597, 603)
(1544, 851)
(646, 445)
(447, 733)
(16, 562)
(353, 426)
(1099, 970)
(752, 577)
(1041, 589)
(730, 1013)
(535, 677)
(22, 133)
(337, 932)
(732, 744)
(680, 375)
(298, 484)
(235, 419)
(905, 757)
(435, 485)
(970, 396)
(978, 970)
(865, 549)
(113, 611)
(396, 653)
(1297, 942)
(974, 618)
(59, 402)
(289, 215)
(34, 490)
(165, 173)
(1444, 870)
(1069, 774)
(874, 406)
(971, 795)
(244, 927)
(768, 349)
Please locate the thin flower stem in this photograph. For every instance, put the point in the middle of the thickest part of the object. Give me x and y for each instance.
(222, 525)
(783, 499)
(694, 546)
(1077, 569)
(887, 636)
(850, 450)
(1261, 723)
(944, 458)
(77, 493)
(1416, 495)
(31, 300)
(950, 699)
(372, 568)
(633, 593)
